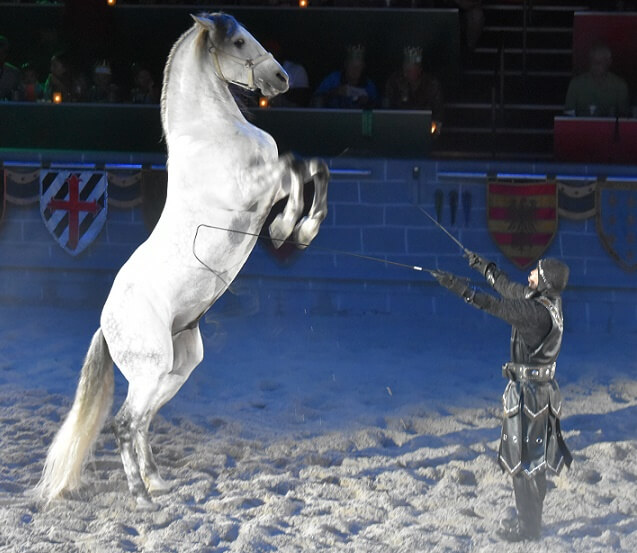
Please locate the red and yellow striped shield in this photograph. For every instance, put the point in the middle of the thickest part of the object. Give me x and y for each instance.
(522, 218)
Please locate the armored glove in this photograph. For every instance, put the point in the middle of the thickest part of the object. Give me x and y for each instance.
(458, 286)
(478, 263)
(452, 282)
(486, 268)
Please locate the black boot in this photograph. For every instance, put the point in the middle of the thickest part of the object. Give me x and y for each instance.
(513, 531)
(529, 498)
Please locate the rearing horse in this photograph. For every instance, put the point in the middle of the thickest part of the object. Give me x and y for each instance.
(222, 171)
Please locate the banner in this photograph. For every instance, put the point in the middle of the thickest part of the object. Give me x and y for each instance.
(154, 185)
(616, 221)
(522, 218)
(124, 188)
(22, 185)
(576, 199)
(73, 206)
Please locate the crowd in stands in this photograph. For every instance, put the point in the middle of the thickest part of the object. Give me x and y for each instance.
(596, 92)
(349, 86)
(23, 82)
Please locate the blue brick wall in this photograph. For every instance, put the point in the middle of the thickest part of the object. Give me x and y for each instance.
(372, 212)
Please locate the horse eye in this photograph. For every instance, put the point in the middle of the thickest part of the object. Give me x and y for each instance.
(239, 42)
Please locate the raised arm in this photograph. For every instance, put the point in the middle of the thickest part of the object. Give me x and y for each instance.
(528, 316)
(496, 278)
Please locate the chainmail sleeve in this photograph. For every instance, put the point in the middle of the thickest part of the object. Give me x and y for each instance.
(505, 287)
(532, 320)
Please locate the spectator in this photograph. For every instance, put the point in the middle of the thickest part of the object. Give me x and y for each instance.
(412, 88)
(144, 90)
(598, 92)
(30, 89)
(349, 87)
(103, 90)
(472, 22)
(80, 87)
(9, 74)
(60, 78)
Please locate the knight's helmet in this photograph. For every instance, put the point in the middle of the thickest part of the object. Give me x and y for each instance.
(552, 275)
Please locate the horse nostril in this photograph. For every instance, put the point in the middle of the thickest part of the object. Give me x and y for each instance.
(282, 77)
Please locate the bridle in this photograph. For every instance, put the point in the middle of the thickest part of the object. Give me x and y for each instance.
(248, 64)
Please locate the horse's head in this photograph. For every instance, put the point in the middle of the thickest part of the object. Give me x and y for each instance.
(238, 57)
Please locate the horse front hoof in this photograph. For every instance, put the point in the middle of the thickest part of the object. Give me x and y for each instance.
(279, 230)
(305, 231)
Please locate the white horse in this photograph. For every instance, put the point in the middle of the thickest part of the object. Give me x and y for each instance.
(224, 172)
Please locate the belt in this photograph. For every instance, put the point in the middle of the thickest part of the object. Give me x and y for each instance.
(537, 373)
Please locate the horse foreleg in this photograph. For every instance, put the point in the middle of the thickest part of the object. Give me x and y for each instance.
(261, 178)
(307, 228)
(283, 224)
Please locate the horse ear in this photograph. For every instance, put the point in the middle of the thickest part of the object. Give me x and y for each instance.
(206, 21)
(217, 23)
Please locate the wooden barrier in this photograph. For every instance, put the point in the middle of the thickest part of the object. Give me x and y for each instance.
(137, 129)
(595, 140)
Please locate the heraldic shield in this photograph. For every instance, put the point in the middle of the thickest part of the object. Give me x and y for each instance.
(2, 193)
(616, 221)
(73, 206)
(522, 218)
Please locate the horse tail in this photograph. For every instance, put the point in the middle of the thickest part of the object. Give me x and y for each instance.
(75, 438)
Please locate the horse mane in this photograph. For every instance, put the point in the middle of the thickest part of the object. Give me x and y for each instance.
(226, 29)
(200, 43)
(167, 71)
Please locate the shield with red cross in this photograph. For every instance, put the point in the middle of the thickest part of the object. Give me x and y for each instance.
(73, 206)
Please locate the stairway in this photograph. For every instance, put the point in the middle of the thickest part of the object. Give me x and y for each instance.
(513, 84)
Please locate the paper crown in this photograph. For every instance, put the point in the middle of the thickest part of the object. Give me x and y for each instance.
(412, 54)
(355, 52)
(103, 68)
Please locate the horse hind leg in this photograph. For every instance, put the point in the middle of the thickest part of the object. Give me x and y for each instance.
(126, 425)
(124, 428)
(147, 465)
(149, 470)
(187, 354)
(307, 228)
(131, 432)
(131, 420)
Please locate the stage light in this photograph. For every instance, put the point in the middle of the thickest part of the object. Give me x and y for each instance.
(263, 102)
(111, 2)
(57, 97)
(434, 127)
(303, 3)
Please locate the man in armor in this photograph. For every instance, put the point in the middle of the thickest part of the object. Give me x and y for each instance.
(531, 439)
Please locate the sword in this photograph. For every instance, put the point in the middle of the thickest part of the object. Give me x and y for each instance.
(443, 229)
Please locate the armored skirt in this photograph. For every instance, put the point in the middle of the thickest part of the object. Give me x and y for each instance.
(531, 438)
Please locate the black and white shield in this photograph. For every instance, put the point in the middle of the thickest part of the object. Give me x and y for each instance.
(73, 206)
